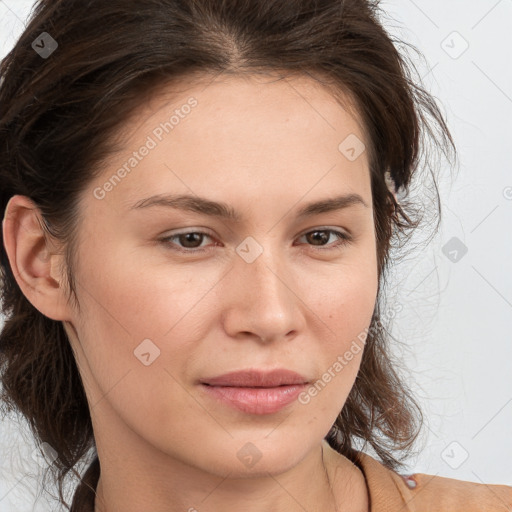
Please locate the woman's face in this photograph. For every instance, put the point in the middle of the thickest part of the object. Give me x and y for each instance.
(262, 291)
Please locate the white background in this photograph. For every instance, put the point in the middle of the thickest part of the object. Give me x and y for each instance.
(457, 316)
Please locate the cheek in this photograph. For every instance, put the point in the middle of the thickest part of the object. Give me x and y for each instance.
(136, 344)
(124, 293)
(139, 328)
(343, 294)
(351, 306)
(342, 302)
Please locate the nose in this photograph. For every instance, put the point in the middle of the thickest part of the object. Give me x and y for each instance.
(263, 300)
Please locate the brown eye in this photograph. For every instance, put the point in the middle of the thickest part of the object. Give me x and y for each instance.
(189, 240)
(321, 237)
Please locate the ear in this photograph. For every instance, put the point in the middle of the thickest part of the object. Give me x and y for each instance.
(35, 263)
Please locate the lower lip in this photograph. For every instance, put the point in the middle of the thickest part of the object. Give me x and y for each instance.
(256, 400)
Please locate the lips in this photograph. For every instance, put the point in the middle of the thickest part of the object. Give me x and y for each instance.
(257, 379)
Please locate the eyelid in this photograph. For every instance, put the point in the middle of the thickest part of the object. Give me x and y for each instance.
(344, 238)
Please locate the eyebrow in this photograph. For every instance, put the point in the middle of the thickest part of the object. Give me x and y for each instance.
(224, 211)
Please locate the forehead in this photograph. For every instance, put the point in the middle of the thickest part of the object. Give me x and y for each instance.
(242, 134)
(226, 100)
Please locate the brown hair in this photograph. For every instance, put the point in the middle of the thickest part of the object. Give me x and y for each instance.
(58, 118)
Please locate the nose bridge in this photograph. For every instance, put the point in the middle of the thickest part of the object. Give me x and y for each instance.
(261, 274)
(266, 276)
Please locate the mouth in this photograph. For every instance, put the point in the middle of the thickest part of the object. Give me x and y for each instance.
(255, 399)
(257, 379)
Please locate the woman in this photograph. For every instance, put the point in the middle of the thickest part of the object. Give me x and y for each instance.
(239, 370)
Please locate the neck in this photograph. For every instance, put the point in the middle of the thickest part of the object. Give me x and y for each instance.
(324, 480)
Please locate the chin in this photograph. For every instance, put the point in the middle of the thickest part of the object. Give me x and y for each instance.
(254, 456)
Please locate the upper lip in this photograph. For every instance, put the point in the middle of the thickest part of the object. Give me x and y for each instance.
(257, 378)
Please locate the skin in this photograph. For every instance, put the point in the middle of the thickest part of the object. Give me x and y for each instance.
(266, 148)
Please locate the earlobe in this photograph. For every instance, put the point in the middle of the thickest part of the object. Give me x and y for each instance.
(31, 259)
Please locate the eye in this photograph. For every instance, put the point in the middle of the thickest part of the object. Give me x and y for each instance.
(323, 235)
(191, 240)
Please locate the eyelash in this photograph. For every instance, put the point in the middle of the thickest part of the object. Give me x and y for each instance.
(344, 240)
